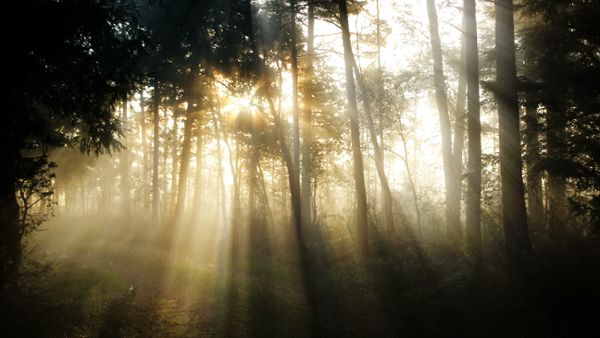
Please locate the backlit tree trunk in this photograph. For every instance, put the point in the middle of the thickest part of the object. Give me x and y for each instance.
(452, 211)
(307, 137)
(514, 215)
(155, 153)
(474, 133)
(186, 149)
(125, 179)
(359, 175)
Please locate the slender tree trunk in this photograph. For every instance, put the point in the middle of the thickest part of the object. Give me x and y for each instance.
(198, 184)
(359, 175)
(294, 71)
(452, 212)
(459, 135)
(174, 161)
(167, 200)
(125, 183)
(307, 137)
(186, 150)
(218, 131)
(146, 160)
(378, 152)
(411, 181)
(514, 215)
(474, 132)
(155, 154)
(253, 175)
(379, 95)
(292, 180)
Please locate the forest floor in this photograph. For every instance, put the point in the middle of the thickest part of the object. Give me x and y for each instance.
(107, 284)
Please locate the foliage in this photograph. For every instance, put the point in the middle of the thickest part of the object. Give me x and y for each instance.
(561, 46)
(34, 192)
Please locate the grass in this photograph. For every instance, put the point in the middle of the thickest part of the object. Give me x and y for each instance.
(101, 285)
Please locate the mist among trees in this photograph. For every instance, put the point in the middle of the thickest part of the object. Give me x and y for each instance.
(300, 168)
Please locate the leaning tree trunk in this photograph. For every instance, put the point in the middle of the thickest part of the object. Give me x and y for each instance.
(514, 215)
(452, 212)
(378, 151)
(474, 133)
(359, 175)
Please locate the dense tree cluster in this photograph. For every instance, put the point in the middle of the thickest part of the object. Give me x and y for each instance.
(238, 92)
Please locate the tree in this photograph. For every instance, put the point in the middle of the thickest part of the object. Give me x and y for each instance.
(514, 215)
(66, 81)
(452, 206)
(359, 175)
(307, 135)
(560, 41)
(474, 133)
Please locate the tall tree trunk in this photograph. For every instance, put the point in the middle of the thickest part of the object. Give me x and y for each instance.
(379, 95)
(292, 180)
(198, 184)
(409, 176)
(155, 154)
(459, 135)
(186, 150)
(253, 175)
(452, 212)
(174, 162)
(218, 132)
(514, 215)
(307, 137)
(146, 160)
(474, 133)
(359, 175)
(125, 183)
(378, 152)
(294, 71)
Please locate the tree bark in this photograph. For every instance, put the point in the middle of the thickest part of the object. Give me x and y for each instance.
(474, 133)
(294, 71)
(307, 137)
(459, 134)
(145, 157)
(359, 175)
(155, 154)
(514, 215)
(378, 152)
(451, 210)
(186, 149)
(125, 183)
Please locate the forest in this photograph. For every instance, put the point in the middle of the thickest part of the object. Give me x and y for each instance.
(300, 168)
